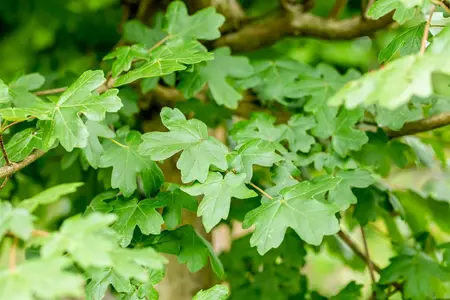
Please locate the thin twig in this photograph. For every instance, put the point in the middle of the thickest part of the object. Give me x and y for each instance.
(426, 31)
(347, 240)
(7, 171)
(38, 232)
(51, 91)
(118, 143)
(5, 155)
(441, 4)
(5, 181)
(14, 123)
(159, 43)
(260, 190)
(336, 10)
(12, 255)
(366, 249)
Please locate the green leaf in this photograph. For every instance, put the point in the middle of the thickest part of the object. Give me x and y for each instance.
(408, 42)
(216, 74)
(133, 213)
(15, 220)
(98, 204)
(127, 163)
(218, 191)
(29, 82)
(77, 237)
(124, 57)
(166, 59)
(296, 207)
(100, 279)
(94, 149)
(146, 290)
(404, 9)
(394, 84)
(80, 98)
(200, 151)
(420, 273)
(136, 32)
(342, 196)
(299, 139)
(350, 291)
(441, 43)
(259, 127)
(217, 292)
(344, 137)
(49, 196)
(37, 279)
(5, 97)
(173, 202)
(22, 144)
(255, 152)
(204, 24)
(271, 78)
(396, 118)
(190, 247)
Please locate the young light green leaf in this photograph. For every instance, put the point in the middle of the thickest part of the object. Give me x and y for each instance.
(29, 82)
(50, 195)
(419, 272)
(15, 220)
(166, 59)
(218, 191)
(80, 98)
(404, 9)
(255, 152)
(394, 84)
(124, 57)
(127, 163)
(94, 150)
(133, 213)
(88, 240)
(441, 42)
(342, 196)
(31, 280)
(408, 42)
(215, 74)
(296, 207)
(203, 25)
(217, 292)
(173, 202)
(200, 151)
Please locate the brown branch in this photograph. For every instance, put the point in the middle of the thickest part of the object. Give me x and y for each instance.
(410, 128)
(337, 9)
(5, 155)
(442, 5)
(426, 31)
(254, 36)
(7, 171)
(51, 91)
(12, 255)
(348, 241)
(368, 260)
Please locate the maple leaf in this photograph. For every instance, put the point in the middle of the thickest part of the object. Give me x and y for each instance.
(15, 220)
(342, 195)
(122, 154)
(404, 9)
(297, 208)
(218, 191)
(22, 144)
(124, 57)
(94, 149)
(254, 152)
(200, 151)
(173, 201)
(217, 292)
(215, 73)
(299, 139)
(132, 213)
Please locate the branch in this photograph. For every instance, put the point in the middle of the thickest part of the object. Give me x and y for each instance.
(366, 249)
(338, 7)
(255, 36)
(7, 171)
(426, 31)
(410, 128)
